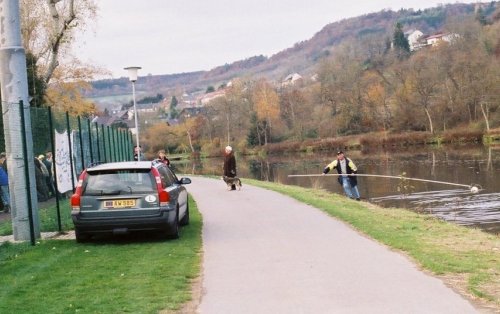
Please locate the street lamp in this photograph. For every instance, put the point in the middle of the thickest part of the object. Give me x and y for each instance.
(132, 75)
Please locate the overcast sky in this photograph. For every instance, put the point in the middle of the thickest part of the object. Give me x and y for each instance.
(167, 36)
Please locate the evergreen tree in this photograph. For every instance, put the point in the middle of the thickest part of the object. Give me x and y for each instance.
(36, 84)
(481, 17)
(210, 89)
(399, 40)
(253, 134)
(173, 110)
(173, 102)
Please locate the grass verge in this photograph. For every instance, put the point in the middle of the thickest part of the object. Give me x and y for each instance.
(48, 218)
(134, 276)
(467, 258)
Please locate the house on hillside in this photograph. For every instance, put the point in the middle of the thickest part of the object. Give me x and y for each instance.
(418, 40)
(205, 99)
(291, 79)
(413, 36)
(150, 107)
(120, 117)
(115, 109)
(438, 38)
(187, 113)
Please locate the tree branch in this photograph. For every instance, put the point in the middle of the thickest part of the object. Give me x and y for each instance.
(58, 34)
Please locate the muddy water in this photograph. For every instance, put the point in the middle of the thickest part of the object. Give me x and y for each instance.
(465, 165)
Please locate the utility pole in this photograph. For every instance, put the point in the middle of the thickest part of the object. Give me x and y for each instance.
(14, 88)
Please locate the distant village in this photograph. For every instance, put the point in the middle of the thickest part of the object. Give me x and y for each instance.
(190, 105)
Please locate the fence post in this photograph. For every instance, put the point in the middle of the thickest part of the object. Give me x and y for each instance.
(90, 142)
(118, 148)
(109, 145)
(120, 136)
(131, 146)
(97, 141)
(113, 132)
(81, 142)
(104, 142)
(54, 172)
(71, 161)
(27, 174)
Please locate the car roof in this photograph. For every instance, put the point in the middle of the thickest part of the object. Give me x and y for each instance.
(142, 165)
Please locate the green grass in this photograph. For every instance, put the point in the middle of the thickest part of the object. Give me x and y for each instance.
(135, 276)
(467, 257)
(48, 219)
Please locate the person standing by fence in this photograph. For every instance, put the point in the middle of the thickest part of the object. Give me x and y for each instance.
(4, 183)
(48, 177)
(41, 184)
(138, 155)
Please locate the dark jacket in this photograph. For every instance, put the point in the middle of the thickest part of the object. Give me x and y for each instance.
(48, 165)
(4, 179)
(230, 165)
(164, 160)
(350, 169)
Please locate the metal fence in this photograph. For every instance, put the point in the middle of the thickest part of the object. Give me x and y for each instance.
(80, 142)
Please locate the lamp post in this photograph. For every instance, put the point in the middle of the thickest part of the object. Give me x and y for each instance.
(132, 74)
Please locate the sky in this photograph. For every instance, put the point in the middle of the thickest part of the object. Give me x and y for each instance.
(167, 36)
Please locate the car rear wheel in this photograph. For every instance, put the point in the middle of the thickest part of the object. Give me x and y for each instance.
(81, 237)
(185, 219)
(174, 229)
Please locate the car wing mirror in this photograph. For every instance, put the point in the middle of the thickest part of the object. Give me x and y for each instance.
(185, 181)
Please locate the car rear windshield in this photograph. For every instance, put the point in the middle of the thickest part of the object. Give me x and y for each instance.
(116, 182)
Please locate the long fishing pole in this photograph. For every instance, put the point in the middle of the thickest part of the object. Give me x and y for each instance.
(473, 188)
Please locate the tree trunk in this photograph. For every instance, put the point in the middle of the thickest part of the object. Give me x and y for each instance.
(190, 141)
(430, 119)
(57, 34)
(228, 128)
(485, 115)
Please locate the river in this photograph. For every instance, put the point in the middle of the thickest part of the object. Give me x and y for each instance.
(468, 165)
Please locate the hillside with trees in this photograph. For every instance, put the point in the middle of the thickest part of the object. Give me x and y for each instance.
(303, 56)
(358, 77)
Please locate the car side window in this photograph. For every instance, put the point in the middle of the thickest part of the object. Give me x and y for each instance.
(165, 176)
(172, 176)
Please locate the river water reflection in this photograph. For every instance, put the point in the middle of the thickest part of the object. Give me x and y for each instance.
(476, 165)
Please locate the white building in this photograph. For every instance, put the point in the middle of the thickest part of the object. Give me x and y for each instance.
(413, 37)
(434, 40)
(291, 79)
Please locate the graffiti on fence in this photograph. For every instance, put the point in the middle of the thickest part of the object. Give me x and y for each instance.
(63, 162)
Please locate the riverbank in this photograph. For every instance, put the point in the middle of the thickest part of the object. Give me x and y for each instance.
(383, 140)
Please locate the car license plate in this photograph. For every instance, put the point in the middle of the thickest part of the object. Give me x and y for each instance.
(119, 204)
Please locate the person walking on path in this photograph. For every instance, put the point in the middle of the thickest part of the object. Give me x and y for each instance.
(162, 157)
(229, 166)
(4, 183)
(345, 167)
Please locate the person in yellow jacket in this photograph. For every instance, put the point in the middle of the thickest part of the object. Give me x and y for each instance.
(345, 167)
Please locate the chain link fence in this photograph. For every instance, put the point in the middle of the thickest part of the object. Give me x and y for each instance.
(64, 145)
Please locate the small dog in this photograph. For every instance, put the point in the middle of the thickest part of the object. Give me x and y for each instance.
(232, 183)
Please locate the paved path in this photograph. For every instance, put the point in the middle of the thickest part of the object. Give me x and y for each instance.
(267, 253)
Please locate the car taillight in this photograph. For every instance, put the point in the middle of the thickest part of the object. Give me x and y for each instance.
(76, 198)
(164, 198)
(162, 194)
(75, 201)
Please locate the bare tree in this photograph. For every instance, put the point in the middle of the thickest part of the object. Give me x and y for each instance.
(48, 28)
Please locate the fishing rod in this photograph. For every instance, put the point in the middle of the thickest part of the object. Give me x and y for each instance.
(473, 188)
